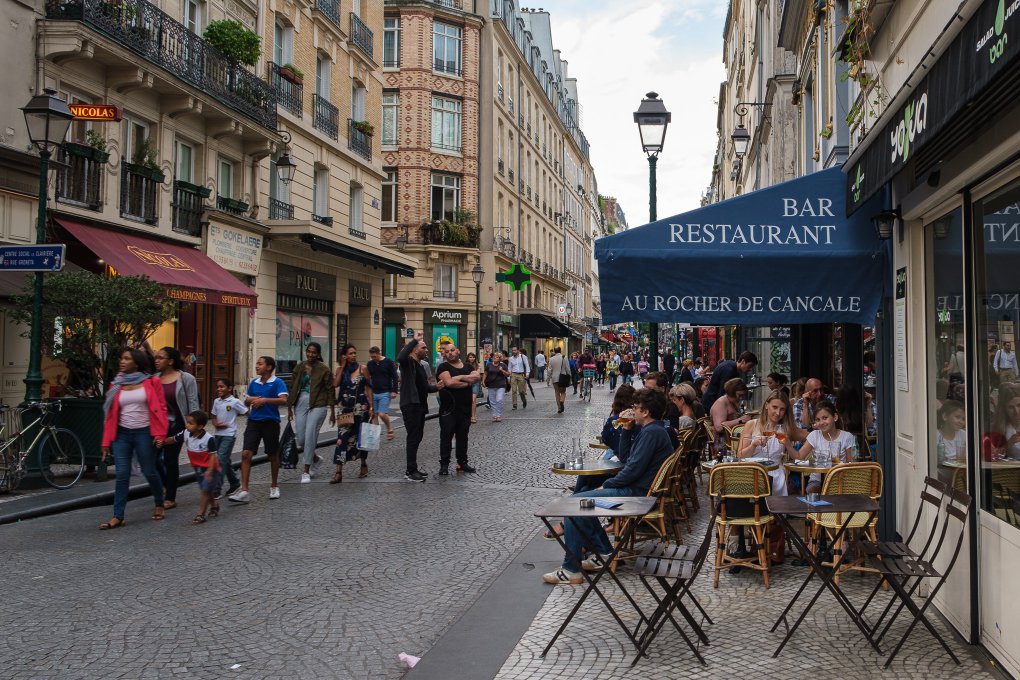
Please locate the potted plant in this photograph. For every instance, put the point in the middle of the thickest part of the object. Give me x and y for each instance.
(98, 145)
(235, 42)
(292, 73)
(144, 160)
(364, 127)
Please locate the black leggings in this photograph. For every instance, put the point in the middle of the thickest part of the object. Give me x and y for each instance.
(170, 468)
(414, 425)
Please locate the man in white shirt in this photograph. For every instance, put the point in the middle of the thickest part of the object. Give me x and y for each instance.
(540, 365)
(1004, 363)
(519, 372)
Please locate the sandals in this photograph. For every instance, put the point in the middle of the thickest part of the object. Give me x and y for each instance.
(157, 513)
(474, 419)
(199, 519)
(112, 523)
(364, 472)
(338, 477)
(214, 510)
(390, 434)
(169, 505)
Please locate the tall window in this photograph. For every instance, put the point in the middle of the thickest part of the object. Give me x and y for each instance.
(320, 193)
(445, 196)
(193, 16)
(390, 118)
(389, 197)
(445, 124)
(283, 43)
(184, 162)
(446, 41)
(323, 73)
(391, 42)
(357, 100)
(357, 198)
(137, 133)
(225, 177)
(444, 282)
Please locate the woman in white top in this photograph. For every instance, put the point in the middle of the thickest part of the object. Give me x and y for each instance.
(826, 445)
(951, 439)
(771, 436)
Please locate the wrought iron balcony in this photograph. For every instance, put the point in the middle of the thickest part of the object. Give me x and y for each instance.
(510, 105)
(356, 233)
(450, 4)
(359, 142)
(79, 181)
(143, 28)
(325, 220)
(327, 117)
(510, 175)
(280, 210)
(289, 92)
(499, 166)
(231, 205)
(499, 92)
(361, 35)
(139, 187)
(330, 9)
(189, 202)
(444, 294)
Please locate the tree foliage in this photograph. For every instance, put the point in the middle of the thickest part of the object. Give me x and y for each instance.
(234, 41)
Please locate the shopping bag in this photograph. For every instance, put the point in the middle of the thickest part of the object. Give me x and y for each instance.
(368, 437)
(288, 449)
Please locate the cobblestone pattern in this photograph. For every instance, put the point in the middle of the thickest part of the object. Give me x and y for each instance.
(331, 581)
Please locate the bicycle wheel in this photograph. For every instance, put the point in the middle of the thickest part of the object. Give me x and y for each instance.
(61, 458)
(5, 467)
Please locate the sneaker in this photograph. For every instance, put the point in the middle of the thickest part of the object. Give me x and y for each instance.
(232, 489)
(465, 468)
(274, 492)
(239, 497)
(415, 476)
(306, 477)
(595, 563)
(515, 407)
(444, 470)
(563, 577)
(313, 469)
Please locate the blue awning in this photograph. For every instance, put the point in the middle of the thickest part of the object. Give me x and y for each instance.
(786, 254)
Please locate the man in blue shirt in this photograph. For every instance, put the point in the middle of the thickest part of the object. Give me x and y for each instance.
(266, 394)
(644, 450)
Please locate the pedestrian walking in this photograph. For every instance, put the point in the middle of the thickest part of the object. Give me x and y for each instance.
(627, 369)
(540, 365)
(669, 365)
(134, 418)
(310, 396)
(266, 394)
(385, 380)
(201, 448)
(414, 406)
(456, 380)
(519, 372)
(180, 391)
(600, 369)
(225, 410)
(476, 389)
(1004, 363)
(355, 398)
(612, 370)
(559, 369)
(496, 375)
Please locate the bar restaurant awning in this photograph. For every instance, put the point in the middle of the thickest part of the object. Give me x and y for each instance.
(542, 326)
(786, 254)
(189, 275)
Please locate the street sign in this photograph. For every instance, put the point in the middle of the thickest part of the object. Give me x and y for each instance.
(41, 258)
(95, 111)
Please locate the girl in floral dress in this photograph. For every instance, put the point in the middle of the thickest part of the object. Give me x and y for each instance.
(354, 396)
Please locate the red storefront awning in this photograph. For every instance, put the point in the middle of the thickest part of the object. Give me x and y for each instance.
(188, 274)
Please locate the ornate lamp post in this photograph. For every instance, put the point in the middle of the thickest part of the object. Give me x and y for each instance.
(477, 274)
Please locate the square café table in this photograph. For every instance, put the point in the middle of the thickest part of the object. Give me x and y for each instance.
(784, 507)
(569, 509)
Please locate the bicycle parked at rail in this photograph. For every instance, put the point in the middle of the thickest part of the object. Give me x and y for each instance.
(59, 455)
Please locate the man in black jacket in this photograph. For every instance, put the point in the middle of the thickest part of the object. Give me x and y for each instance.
(414, 404)
(727, 370)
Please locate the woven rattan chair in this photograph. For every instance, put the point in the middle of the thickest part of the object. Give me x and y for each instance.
(848, 478)
(654, 524)
(730, 482)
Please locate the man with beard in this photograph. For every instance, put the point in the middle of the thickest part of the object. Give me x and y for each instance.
(456, 379)
(414, 405)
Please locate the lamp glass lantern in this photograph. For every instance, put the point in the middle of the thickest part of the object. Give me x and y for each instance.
(285, 168)
(884, 223)
(652, 119)
(47, 119)
(477, 273)
(569, 309)
(741, 139)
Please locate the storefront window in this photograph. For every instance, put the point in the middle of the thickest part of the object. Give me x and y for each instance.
(947, 374)
(997, 247)
(294, 330)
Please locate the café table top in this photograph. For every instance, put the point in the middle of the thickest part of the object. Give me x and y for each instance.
(707, 465)
(792, 505)
(808, 469)
(987, 464)
(598, 445)
(597, 466)
(570, 506)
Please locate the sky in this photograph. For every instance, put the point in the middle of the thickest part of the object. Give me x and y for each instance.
(618, 51)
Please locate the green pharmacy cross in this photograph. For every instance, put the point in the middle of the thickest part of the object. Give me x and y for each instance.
(515, 277)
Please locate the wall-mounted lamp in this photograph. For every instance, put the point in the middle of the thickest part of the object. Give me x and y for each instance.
(285, 165)
(741, 138)
(885, 222)
(402, 240)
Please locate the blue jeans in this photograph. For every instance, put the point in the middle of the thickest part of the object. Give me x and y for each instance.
(137, 442)
(596, 535)
(612, 381)
(224, 447)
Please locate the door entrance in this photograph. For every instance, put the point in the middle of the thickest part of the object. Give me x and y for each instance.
(206, 339)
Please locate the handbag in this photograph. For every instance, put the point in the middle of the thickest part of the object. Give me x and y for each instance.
(369, 436)
(564, 379)
(345, 420)
(288, 449)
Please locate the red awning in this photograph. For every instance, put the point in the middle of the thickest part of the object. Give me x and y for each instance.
(188, 274)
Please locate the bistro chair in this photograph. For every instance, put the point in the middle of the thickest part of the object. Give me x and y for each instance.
(734, 486)
(654, 523)
(848, 478)
(905, 570)
(733, 438)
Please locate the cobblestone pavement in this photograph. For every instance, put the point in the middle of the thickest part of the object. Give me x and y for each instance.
(331, 581)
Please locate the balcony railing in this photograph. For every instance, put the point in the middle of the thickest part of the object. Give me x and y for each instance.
(499, 92)
(140, 26)
(231, 205)
(361, 35)
(499, 166)
(510, 175)
(139, 187)
(189, 202)
(280, 210)
(442, 234)
(444, 294)
(359, 142)
(330, 9)
(450, 4)
(289, 93)
(357, 233)
(79, 181)
(327, 117)
(325, 220)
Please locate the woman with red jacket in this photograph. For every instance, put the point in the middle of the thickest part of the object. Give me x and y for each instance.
(135, 417)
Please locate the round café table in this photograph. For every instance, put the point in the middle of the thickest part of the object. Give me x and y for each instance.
(590, 467)
(771, 465)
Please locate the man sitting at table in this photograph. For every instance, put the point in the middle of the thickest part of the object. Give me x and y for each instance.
(644, 450)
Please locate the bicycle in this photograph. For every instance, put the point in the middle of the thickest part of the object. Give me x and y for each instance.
(587, 379)
(59, 454)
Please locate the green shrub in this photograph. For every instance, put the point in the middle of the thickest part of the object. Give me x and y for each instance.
(234, 41)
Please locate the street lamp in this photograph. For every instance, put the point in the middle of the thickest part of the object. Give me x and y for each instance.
(477, 274)
(652, 119)
(285, 165)
(47, 119)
